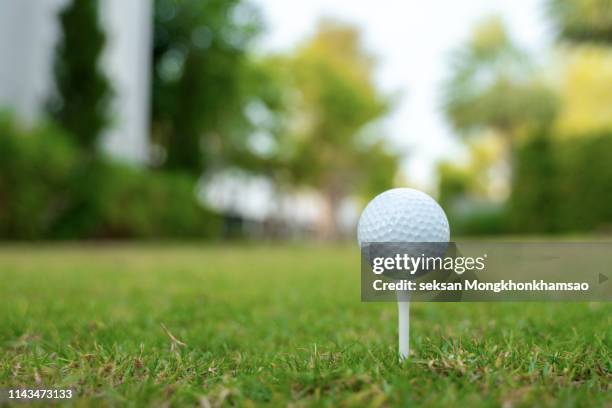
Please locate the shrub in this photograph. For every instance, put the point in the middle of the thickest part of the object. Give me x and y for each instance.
(563, 185)
(35, 168)
(535, 186)
(143, 204)
(585, 183)
(49, 190)
(480, 220)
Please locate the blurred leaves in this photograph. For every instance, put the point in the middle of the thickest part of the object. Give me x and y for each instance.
(558, 132)
(493, 85)
(334, 98)
(200, 76)
(563, 185)
(476, 175)
(584, 92)
(49, 191)
(303, 119)
(582, 20)
(535, 194)
(473, 191)
(34, 168)
(82, 96)
(329, 140)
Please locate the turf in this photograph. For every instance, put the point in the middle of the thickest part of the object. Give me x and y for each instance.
(182, 324)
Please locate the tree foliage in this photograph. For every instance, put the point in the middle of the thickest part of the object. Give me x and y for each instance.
(585, 96)
(200, 79)
(493, 86)
(331, 103)
(335, 98)
(582, 20)
(80, 103)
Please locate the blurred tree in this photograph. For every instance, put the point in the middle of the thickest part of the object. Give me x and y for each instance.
(494, 90)
(492, 86)
(586, 25)
(265, 109)
(331, 98)
(201, 80)
(80, 103)
(582, 20)
(549, 192)
(584, 91)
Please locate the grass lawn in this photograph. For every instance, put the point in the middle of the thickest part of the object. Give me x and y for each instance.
(152, 324)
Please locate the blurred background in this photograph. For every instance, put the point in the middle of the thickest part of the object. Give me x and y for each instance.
(264, 119)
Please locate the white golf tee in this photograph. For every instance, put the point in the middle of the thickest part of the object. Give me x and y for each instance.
(404, 329)
(403, 309)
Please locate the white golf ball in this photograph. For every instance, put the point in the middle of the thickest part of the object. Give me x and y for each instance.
(403, 215)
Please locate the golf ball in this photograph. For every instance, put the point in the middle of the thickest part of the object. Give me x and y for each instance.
(402, 215)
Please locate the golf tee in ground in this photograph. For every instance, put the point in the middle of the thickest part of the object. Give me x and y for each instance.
(403, 308)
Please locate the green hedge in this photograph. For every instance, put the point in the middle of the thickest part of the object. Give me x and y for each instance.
(563, 185)
(36, 167)
(48, 190)
(146, 204)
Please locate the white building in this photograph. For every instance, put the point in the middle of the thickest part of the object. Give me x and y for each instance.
(29, 31)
